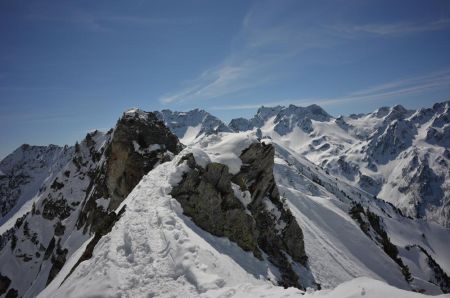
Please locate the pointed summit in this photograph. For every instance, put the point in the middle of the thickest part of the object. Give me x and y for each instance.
(187, 126)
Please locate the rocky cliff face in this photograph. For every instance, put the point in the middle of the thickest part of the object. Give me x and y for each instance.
(23, 172)
(82, 200)
(246, 208)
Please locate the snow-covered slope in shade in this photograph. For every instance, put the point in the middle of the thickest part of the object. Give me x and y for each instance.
(23, 172)
(155, 250)
(187, 126)
(399, 155)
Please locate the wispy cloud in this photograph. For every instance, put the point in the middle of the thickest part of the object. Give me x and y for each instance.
(268, 38)
(222, 80)
(263, 42)
(400, 88)
(388, 30)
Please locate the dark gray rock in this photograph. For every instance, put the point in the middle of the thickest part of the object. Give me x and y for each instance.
(207, 197)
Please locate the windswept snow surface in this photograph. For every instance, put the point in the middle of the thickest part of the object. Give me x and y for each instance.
(156, 251)
(359, 287)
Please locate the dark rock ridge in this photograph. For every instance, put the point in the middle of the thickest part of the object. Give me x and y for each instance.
(263, 225)
(139, 142)
(83, 198)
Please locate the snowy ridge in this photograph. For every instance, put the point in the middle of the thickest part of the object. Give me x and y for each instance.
(78, 205)
(155, 250)
(189, 125)
(399, 155)
(107, 223)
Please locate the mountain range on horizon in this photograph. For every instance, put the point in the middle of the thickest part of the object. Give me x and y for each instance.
(181, 203)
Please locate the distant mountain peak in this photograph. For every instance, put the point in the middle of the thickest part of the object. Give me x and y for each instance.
(187, 126)
(286, 118)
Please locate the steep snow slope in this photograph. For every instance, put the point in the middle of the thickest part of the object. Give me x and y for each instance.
(155, 250)
(336, 245)
(399, 155)
(89, 235)
(28, 258)
(23, 172)
(78, 204)
(189, 125)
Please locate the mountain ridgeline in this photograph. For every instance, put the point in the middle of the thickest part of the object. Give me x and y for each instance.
(292, 197)
(401, 156)
(83, 200)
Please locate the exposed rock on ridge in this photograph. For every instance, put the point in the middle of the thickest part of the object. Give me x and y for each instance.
(262, 225)
(82, 199)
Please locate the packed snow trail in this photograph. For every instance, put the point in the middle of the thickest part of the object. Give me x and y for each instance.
(155, 251)
(152, 251)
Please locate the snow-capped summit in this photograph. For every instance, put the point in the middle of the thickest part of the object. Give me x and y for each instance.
(220, 219)
(187, 126)
(372, 151)
(135, 113)
(292, 201)
(285, 119)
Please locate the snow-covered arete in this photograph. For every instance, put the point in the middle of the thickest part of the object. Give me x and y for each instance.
(154, 250)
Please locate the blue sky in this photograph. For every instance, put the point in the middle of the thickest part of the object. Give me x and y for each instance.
(67, 67)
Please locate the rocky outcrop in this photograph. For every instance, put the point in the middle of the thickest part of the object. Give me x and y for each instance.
(83, 197)
(212, 197)
(140, 142)
(207, 196)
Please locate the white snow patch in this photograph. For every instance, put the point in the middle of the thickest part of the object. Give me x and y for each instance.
(200, 156)
(191, 133)
(226, 148)
(103, 203)
(150, 148)
(244, 196)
